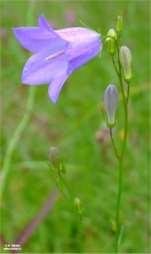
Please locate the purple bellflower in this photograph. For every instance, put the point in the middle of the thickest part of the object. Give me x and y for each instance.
(56, 53)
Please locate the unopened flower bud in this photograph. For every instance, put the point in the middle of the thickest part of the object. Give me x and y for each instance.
(77, 204)
(54, 156)
(119, 24)
(110, 42)
(112, 33)
(126, 62)
(110, 103)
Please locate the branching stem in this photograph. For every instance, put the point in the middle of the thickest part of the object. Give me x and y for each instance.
(120, 156)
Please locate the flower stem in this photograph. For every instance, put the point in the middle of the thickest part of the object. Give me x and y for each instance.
(15, 139)
(120, 156)
(22, 124)
(125, 104)
(118, 204)
(113, 144)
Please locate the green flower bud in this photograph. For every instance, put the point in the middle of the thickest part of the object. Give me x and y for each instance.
(77, 204)
(54, 156)
(112, 34)
(110, 43)
(126, 62)
(119, 24)
(110, 103)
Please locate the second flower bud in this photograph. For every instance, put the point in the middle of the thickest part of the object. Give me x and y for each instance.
(110, 104)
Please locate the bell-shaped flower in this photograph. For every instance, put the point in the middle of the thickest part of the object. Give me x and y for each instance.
(110, 103)
(56, 53)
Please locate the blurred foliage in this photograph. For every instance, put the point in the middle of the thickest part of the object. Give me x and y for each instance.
(72, 125)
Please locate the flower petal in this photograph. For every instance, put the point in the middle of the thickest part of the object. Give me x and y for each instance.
(85, 44)
(83, 55)
(77, 35)
(33, 39)
(44, 66)
(56, 85)
(42, 22)
(36, 39)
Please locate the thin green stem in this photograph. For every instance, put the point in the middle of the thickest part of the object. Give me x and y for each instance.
(114, 64)
(113, 144)
(124, 104)
(118, 204)
(128, 92)
(120, 170)
(120, 156)
(22, 124)
(15, 139)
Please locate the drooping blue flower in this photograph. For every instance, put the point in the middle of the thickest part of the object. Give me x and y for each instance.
(56, 53)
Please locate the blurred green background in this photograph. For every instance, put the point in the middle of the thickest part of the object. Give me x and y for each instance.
(75, 126)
